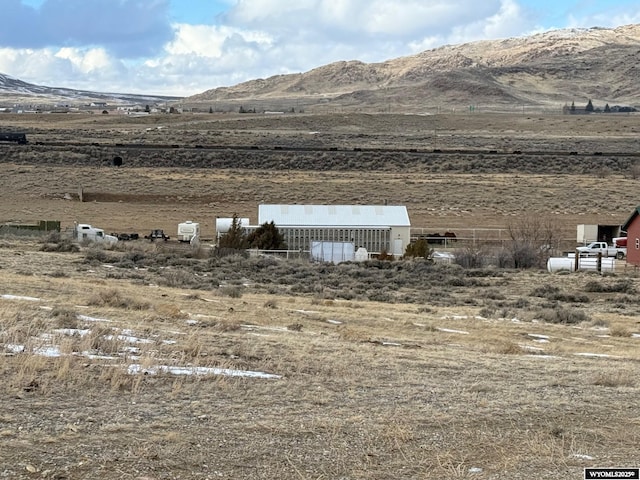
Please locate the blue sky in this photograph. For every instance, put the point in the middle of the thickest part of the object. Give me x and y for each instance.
(183, 47)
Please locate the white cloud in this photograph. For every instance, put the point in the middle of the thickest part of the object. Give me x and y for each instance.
(509, 20)
(210, 41)
(260, 38)
(611, 18)
(86, 61)
(396, 18)
(65, 67)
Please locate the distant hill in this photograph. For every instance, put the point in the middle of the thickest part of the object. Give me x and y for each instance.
(546, 69)
(13, 91)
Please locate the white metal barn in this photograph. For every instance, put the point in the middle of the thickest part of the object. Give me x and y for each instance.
(377, 228)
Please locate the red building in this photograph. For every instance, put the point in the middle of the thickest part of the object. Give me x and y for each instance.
(632, 227)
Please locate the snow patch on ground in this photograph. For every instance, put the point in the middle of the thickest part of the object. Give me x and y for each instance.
(582, 456)
(450, 330)
(19, 297)
(596, 355)
(87, 318)
(134, 369)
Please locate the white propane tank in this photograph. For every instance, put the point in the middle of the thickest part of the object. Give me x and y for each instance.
(557, 264)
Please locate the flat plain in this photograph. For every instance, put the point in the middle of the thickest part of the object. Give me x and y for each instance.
(149, 361)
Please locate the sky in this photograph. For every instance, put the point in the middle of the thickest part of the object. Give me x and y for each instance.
(184, 47)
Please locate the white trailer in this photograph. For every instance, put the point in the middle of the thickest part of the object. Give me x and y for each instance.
(188, 230)
(84, 232)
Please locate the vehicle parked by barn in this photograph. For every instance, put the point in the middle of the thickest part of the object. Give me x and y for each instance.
(595, 248)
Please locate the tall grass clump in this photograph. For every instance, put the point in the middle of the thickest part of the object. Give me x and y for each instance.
(56, 242)
(114, 298)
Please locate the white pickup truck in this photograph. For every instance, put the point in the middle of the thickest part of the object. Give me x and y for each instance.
(594, 248)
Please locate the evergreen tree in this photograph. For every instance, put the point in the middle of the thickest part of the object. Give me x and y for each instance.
(607, 108)
(573, 107)
(589, 107)
(236, 237)
(266, 237)
(419, 248)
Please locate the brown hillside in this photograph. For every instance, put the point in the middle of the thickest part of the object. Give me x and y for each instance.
(545, 69)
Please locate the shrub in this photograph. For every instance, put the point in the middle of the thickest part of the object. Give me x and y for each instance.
(233, 291)
(470, 258)
(385, 256)
(419, 248)
(235, 238)
(623, 286)
(65, 318)
(97, 254)
(564, 316)
(266, 237)
(55, 242)
(113, 298)
(531, 240)
(551, 292)
(381, 297)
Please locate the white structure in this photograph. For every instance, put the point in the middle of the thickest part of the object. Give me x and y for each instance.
(84, 232)
(188, 230)
(334, 252)
(223, 225)
(558, 264)
(377, 228)
(597, 233)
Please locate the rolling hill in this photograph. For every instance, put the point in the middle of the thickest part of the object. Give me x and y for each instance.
(546, 70)
(13, 90)
(549, 68)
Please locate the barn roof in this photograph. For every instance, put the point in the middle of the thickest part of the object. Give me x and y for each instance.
(635, 213)
(334, 215)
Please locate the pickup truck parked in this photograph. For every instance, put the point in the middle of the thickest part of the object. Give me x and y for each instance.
(594, 248)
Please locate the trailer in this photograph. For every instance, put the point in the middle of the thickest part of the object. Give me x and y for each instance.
(188, 230)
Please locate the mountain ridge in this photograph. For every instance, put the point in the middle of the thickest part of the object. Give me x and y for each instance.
(541, 69)
(14, 90)
(545, 69)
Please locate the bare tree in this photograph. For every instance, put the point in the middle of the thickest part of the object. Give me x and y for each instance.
(532, 240)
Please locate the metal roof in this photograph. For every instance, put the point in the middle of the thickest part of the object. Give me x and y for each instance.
(334, 215)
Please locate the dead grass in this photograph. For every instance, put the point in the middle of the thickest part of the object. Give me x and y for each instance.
(417, 385)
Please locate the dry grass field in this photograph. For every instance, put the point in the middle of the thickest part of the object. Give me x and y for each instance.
(147, 361)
